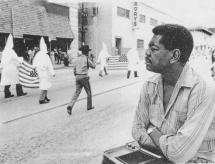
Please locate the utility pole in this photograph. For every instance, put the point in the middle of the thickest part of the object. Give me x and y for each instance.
(83, 23)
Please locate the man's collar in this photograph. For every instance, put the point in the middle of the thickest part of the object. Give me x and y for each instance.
(185, 79)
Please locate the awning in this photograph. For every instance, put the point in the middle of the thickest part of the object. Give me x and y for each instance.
(211, 41)
(25, 19)
(59, 27)
(29, 20)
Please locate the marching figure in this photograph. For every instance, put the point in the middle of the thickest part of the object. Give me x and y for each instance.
(133, 61)
(102, 59)
(45, 70)
(81, 67)
(9, 64)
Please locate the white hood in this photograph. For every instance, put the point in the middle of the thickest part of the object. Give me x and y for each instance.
(41, 58)
(43, 47)
(104, 52)
(8, 53)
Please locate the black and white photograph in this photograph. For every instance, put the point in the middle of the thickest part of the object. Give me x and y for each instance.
(107, 81)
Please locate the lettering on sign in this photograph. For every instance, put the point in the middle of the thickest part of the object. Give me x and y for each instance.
(135, 16)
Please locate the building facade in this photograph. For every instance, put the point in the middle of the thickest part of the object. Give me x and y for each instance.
(121, 25)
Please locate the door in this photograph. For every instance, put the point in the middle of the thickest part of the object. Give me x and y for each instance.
(118, 46)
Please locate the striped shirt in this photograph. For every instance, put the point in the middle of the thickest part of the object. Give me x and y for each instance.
(187, 125)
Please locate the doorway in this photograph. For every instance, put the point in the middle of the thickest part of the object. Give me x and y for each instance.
(118, 46)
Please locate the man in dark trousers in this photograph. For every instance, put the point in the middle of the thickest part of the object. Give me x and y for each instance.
(81, 67)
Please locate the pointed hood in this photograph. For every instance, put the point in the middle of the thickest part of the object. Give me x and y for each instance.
(9, 44)
(104, 47)
(103, 53)
(43, 47)
(41, 58)
(8, 53)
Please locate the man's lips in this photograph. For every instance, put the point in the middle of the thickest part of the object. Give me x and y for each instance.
(147, 60)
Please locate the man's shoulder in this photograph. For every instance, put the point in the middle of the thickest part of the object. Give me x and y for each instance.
(202, 86)
(80, 57)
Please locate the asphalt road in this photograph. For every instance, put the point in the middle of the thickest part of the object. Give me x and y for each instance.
(32, 133)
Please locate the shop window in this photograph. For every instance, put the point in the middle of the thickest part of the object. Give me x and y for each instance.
(153, 22)
(123, 12)
(140, 43)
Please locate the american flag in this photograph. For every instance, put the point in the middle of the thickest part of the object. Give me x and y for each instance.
(28, 76)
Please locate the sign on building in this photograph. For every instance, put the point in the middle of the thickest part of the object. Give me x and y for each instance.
(135, 16)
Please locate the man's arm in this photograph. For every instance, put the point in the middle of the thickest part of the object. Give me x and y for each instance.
(91, 63)
(155, 135)
(141, 120)
(183, 145)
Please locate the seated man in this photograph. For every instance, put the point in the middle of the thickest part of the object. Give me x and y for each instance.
(176, 110)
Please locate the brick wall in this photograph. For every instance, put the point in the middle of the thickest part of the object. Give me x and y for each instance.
(59, 26)
(35, 17)
(29, 20)
(5, 18)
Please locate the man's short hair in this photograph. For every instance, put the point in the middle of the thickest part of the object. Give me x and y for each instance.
(176, 37)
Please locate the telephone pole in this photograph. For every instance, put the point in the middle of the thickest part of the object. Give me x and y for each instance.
(83, 22)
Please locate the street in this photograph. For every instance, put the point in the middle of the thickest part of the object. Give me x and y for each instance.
(33, 133)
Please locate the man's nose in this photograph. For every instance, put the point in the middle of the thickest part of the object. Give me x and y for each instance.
(148, 52)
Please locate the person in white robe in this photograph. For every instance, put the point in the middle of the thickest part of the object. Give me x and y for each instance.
(133, 62)
(9, 65)
(102, 60)
(45, 71)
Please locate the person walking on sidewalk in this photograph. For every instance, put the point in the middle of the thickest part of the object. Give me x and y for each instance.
(45, 70)
(102, 59)
(81, 66)
(9, 64)
(133, 61)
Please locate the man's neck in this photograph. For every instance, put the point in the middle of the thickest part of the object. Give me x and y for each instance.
(171, 77)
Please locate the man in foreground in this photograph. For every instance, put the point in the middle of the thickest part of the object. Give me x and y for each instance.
(176, 110)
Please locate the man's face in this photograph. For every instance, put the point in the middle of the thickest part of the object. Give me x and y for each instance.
(157, 57)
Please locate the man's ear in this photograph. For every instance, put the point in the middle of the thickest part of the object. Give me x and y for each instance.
(176, 56)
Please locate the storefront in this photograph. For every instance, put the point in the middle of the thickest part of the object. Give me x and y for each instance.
(27, 22)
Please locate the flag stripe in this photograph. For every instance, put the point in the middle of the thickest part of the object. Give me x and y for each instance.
(24, 74)
(26, 68)
(33, 84)
(25, 79)
(27, 76)
(28, 65)
(29, 85)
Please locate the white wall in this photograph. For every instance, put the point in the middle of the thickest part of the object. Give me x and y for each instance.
(106, 26)
(122, 27)
(73, 20)
(99, 27)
